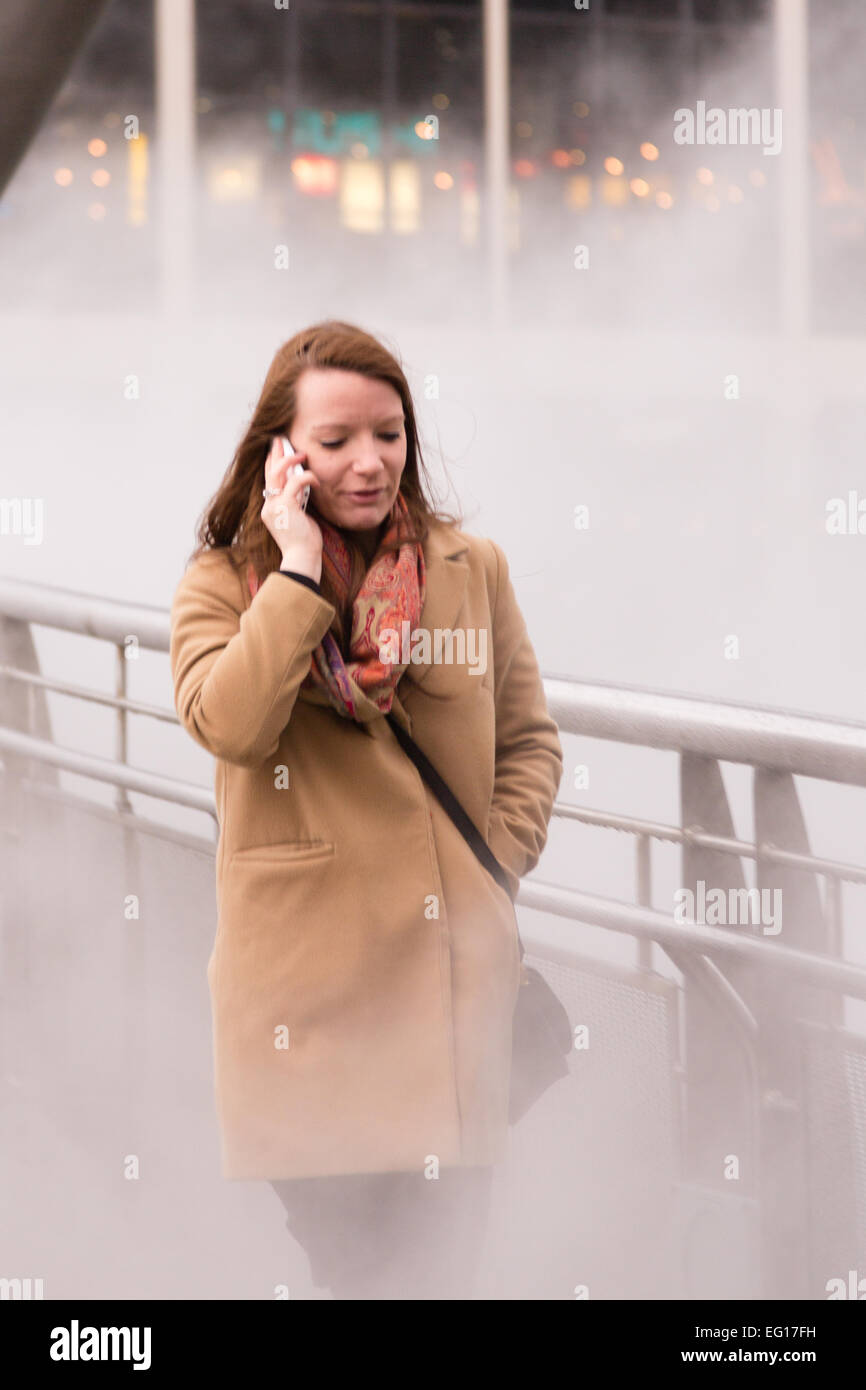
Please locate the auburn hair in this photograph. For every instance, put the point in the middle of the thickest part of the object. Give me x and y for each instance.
(232, 518)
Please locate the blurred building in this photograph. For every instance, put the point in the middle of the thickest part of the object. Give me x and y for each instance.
(353, 133)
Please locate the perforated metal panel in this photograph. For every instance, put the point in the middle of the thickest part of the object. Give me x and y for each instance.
(632, 1030)
(596, 1160)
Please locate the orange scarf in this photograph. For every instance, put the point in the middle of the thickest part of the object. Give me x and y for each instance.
(392, 593)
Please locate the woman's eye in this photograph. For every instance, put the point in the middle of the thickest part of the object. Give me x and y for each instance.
(338, 443)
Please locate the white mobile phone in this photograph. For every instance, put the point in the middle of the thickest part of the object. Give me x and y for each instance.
(299, 468)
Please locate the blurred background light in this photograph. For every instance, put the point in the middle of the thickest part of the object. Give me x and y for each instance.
(404, 196)
(362, 195)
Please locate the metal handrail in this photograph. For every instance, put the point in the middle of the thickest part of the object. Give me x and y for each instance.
(105, 770)
(781, 740)
(645, 922)
(632, 919)
(758, 735)
(91, 615)
(632, 825)
(702, 839)
(94, 697)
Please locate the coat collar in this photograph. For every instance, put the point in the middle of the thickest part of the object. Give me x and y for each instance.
(447, 574)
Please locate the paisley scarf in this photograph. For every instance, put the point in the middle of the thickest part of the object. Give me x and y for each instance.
(392, 592)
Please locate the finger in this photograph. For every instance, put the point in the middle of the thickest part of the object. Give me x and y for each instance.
(271, 461)
(291, 488)
(276, 468)
(295, 481)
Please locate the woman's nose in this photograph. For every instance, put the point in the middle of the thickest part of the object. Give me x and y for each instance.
(367, 459)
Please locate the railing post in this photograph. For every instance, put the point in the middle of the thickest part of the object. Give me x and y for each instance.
(134, 928)
(833, 888)
(121, 748)
(783, 1008)
(26, 710)
(643, 894)
(720, 1138)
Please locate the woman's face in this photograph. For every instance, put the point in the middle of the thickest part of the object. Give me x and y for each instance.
(351, 428)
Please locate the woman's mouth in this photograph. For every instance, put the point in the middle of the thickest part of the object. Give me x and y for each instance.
(367, 496)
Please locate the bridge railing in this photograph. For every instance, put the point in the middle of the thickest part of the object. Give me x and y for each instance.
(751, 1107)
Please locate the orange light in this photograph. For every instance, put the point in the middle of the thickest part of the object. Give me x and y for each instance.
(580, 108)
(705, 176)
(315, 174)
(100, 177)
(561, 158)
(577, 157)
(578, 192)
(613, 165)
(136, 181)
(97, 211)
(443, 179)
(424, 130)
(404, 196)
(97, 148)
(664, 200)
(614, 192)
(362, 195)
(639, 187)
(524, 168)
(64, 177)
(649, 151)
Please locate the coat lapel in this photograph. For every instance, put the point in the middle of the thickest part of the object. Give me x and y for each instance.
(447, 576)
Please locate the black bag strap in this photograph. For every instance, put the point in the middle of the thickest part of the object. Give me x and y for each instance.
(444, 795)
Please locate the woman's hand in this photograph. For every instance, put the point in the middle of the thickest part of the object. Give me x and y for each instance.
(296, 533)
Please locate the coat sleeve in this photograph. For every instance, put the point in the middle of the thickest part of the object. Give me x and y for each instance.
(529, 757)
(236, 671)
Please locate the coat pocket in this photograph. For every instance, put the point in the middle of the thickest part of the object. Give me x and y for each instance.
(286, 852)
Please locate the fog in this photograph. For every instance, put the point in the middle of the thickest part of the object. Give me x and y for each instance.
(653, 445)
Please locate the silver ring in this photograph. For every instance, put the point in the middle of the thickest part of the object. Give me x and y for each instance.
(271, 491)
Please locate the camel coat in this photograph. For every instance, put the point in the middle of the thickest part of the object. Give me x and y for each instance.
(365, 965)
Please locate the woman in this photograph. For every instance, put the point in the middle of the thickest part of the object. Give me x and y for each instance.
(365, 966)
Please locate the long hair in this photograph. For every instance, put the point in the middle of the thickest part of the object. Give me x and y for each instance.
(232, 518)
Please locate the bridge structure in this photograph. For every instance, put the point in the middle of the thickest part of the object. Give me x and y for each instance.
(708, 1142)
